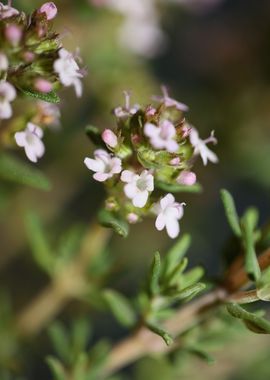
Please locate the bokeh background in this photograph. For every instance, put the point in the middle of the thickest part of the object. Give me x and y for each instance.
(214, 56)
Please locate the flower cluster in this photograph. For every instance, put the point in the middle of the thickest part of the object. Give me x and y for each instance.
(33, 61)
(152, 149)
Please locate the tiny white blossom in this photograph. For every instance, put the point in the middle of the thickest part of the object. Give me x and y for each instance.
(127, 110)
(30, 140)
(3, 62)
(168, 214)
(69, 71)
(104, 165)
(201, 148)
(162, 136)
(49, 114)
(6, 11)
(138, 186)
(7, 95)
(168, 101)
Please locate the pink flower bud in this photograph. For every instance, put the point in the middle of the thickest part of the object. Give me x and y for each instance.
(28, 56)
(49, 9)
(109, 138)
(13, 34)
(175, 161)
(42, 85)
(132, 218)
(186, 178)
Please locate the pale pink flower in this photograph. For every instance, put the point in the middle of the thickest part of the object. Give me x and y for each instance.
(170, 102)
(13, 34)
(162, 136)
(168, 214)
(138, 186)
(43, 85)
(68, 70)
(49, 9)
(127, 110)
(186, 178)
(49, 113)
(7, 95)
(104, 165)
(6, 11)
(200, 147)
(30, 140)
(175, 161)
(3, 62)
(110, 138)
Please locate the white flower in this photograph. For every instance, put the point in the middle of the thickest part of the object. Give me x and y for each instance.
(49, 114)
(30, 140)
(7, 95)
(69, 71)
(138, 186)
(3, 62)
(127, 110)
(104, 165)
(169, 102)
(6, 11)
(201, 148)
(110, 138)
(162, 136)
(168, 213)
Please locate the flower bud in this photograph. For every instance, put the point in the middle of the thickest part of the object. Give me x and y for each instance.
(13, 34)
(109, 138)
(187, 178)
(3, 62)
(132, 218)
(175, 161)
(49, 9)
(42, 85)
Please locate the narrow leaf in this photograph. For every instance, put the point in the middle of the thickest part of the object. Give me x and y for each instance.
(263, 292)
(60, 340)
(120, 307)
(168, 339)
(39, 243)
(248, 225)
(254, 322)
(50, 97)
(191, 277)
(176, 253)
(175, 188)
(230, 212)
(190, 292)
(175, 276)
(154, 274)
(14, 170)
(56, 368)
(202, 354)
(111, 220)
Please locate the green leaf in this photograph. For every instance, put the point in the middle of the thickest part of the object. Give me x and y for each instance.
(94, 135)
(168, 339)
(176, 253)
(80, 333)
(175, 276)
(254, 322)
(60, 340)
(263, 292)
(56, 368)
(120, 307)
(154, 274)
(38, 241)
(175, 188)
(230, 212)
(191, 277)
(50, 97)
(190, 292)
(70, 242)
(249, 221)
(14, 170)
(112, 220)
(201, 353)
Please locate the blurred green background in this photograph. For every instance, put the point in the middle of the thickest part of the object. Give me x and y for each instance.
(216, 60)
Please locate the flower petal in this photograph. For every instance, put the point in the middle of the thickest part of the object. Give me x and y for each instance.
(172, 227)
(140, 199)
(160, 222)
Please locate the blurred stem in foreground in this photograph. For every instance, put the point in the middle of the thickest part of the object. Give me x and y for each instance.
(143, 341)
(68, 283)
